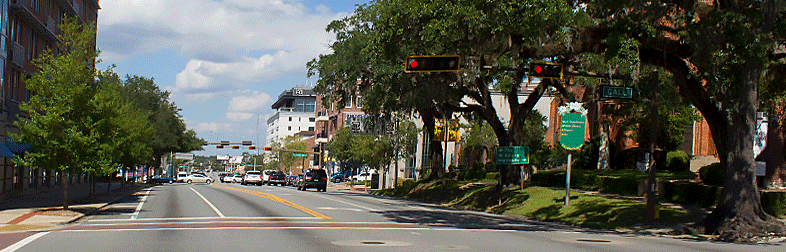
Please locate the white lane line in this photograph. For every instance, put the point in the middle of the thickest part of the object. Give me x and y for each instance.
(208, 203)
(344, 202)
(199, 219)
(340, 209)
(24, 242)
(139, 207)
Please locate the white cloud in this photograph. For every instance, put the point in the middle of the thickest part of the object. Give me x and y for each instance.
(251, 102)
(213, 127)
(239, 116)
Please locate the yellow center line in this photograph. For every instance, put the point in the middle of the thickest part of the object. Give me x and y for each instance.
(280, 200)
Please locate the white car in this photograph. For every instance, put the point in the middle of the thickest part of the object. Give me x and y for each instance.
(362, 177)
(182, 176)
(237, 178)
(198, 178)
(252, 177)
(228, 178)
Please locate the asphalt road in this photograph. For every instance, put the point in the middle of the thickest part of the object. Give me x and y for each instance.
(228, 217)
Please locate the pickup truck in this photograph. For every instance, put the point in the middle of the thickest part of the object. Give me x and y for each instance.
(272, 177)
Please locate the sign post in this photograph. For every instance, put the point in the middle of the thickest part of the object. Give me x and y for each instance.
(571, 135)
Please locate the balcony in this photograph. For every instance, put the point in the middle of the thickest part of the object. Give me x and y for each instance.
(322, 117)
(321, 138)
(17, 55)
(51, 25)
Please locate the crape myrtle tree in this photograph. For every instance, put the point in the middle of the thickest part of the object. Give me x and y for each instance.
(372, 44)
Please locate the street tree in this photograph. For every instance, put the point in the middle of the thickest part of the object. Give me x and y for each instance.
(60, 120)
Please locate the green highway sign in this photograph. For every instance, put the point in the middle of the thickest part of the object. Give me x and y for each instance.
(572, 131)
(512, 155)
(299, 155)
(616, 92)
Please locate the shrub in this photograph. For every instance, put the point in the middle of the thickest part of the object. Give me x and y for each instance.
(587, 158)
(713, 174)
(491, 167)
(492, 175)
(677, 161)
(692, 193)
(774, 203)
(625, 159)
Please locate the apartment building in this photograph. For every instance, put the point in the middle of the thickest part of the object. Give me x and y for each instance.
(27, 29)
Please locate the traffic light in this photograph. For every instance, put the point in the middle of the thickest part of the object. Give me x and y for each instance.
(219, 146)
(235, 147)
(436, 63)
(268, 148)
(545, 70)
(252, 147)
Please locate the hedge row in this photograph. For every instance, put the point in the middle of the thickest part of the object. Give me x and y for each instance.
(624, 185)
(773, 203)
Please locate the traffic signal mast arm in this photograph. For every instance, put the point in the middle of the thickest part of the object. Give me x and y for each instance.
(565, 72)
(268, 148)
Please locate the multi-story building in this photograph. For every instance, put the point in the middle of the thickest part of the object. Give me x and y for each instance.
(27, 29)
(294, 116)
(329, 120)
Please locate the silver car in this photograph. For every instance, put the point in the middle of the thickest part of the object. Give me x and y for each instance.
(198, 178)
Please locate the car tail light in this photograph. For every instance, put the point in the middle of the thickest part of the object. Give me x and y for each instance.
(307, 178)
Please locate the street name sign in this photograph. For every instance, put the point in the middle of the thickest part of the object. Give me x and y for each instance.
(299, 155)
(507, 155)
(616, 92)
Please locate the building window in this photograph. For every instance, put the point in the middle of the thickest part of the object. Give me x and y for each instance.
(33, 46)
(359, 102)
(311, 119)
(311, 106)
(348, 104)
(15, 29)
(290, 119)
(289, 128)
(13, 85)
(310, 128)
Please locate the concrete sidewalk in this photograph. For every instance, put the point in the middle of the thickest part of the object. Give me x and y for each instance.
(44, 210)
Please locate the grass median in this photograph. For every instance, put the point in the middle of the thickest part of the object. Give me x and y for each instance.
(542, 204)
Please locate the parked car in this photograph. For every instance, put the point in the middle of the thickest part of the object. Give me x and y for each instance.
(290, 180)
(227, 178)
(182, 176)
(237, 178)
(273, 177)
(160, 179)
(313, 178)
(198, 178)
(252, 177)
(365, 176)
(337, 177)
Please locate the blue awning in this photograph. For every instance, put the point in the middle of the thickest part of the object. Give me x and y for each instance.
(5, 152)
(17, 148)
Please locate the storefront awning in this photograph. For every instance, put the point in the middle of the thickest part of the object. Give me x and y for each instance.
(5, 152)
(17, 148)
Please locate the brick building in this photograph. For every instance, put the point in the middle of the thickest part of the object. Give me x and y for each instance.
(27, 29)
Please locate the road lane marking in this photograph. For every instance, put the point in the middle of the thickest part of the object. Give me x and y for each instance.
(201, 219)
(208, 203)
(340, 209)
(343, 202)
(280, 200)
(24, 242)
(139, 207)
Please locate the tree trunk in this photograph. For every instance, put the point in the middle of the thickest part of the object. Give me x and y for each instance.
(773, 154)
(739, 216)
(66, 181)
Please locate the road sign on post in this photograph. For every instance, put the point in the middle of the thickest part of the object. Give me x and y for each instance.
(433, 63)
(299, 155)
(512, 155)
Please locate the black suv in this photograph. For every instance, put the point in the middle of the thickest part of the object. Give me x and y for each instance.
(313, 178)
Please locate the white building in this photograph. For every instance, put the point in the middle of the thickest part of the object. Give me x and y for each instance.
(294, 115)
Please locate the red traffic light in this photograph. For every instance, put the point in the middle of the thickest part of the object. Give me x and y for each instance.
(268, 148)
(545, 70)
(252, 147)
(235, 147)
(436, 63)
(219, 146)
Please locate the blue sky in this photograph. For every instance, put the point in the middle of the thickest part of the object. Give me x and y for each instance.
(224, 61)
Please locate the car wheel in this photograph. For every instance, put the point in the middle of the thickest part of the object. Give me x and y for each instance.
(171, 181)
(189, 181)
(209, 181)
